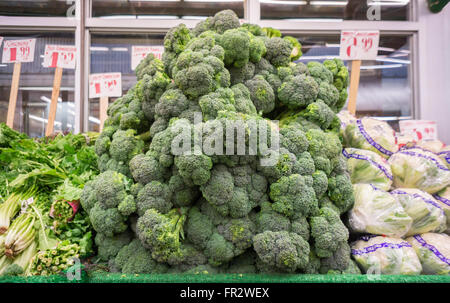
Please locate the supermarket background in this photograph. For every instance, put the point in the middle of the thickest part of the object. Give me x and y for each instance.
(408, 80)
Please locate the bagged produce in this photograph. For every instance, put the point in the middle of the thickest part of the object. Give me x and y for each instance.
(444, 154)
(434, 146)
(346, 119)
(371, 134)
(405, 139)
(433, 251)
(443, 199)
(427, 214)
(368, 167)
(418, 168)
(377, 212)
(385, 255)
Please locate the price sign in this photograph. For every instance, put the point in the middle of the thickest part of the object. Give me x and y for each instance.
(105, 85)
(420, 129)
(18, 51)
(60, 56)
(359, 45)
(138, 53)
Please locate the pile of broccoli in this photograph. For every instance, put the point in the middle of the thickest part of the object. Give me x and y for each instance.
(156, 211)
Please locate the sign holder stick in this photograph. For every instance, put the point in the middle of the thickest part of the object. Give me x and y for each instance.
(103, 110)
(54, 102)
(354, 84)
(13, 94)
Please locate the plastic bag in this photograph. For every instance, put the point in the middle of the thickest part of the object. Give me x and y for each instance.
(378, 212)
(444, 154)
(418, 168)
(387, 256)
(368, 167)
(426, 212)
(433, 251)
(434, 146)
(371, 134)
(443, 198)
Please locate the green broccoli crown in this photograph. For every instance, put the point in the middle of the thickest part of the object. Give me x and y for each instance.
(149, 66)
(291, 195)
(283, 250)
(296, 47)
(212, 103)
(298, 91)
(108, 247)
(319, 113)
(261, 93)
(154, 195)
(135, 259)
(340, 191)
(319, 72)
(328, 232)
(145, 169)
(340, 260)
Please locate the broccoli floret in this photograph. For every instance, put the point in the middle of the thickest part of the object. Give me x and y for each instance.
(278, 51)
(225, 20)
(242, 74)
(243, 264)
(340, 260)
(271, 32)
(340, 191)
(220, 238)
(285, 251)
(171, 104)
(261, 93)
(320, 184)
(194, 169)
(241, 47)
(242, 100)
(107, 220)
(291, 195)
(161, 233)
(145, 169)
(177, 38)
(212, 103)
(149, 66)
(328, 94)
(313, 266)
(294, 140)
(135, 259)
(319, 72)
(298, 92)
(320, 114)
(328, 232)
(154, 195)
(108, 247)
(323, 144)
(296, 47)
(182, 194)
(125, 145)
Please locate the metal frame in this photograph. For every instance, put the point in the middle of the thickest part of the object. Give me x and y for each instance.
(83, 25)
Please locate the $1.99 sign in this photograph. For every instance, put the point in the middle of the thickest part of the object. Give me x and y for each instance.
(359, 45)
(18, 51)
(105, 85)
(60, 56)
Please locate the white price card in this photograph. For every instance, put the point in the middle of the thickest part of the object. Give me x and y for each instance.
(18, 51)
(419, 129)
(105, 85)
(359, 45)
(138, 53)
(63, 56)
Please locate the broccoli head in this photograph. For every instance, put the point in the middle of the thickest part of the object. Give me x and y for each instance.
(283, 250)
(328, 232)
(298, 91)
(261, 93)
(278, 51)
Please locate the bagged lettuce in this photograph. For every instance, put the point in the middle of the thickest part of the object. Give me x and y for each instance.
(371, 134)
(433, 251)
(368, 167)
(385, 255)
(434, 146)
(444, 154)
(378, 212)
(427, 214)
(443, 199)
(418, 168)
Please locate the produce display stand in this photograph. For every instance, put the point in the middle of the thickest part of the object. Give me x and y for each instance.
(227, 278)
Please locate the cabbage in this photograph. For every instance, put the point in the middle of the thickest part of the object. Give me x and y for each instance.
(443, 199)
(368, 167)
(427, 214)
(371, 134)
(433, 251)
(418, 168)
(377, 212)
(387, 256)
